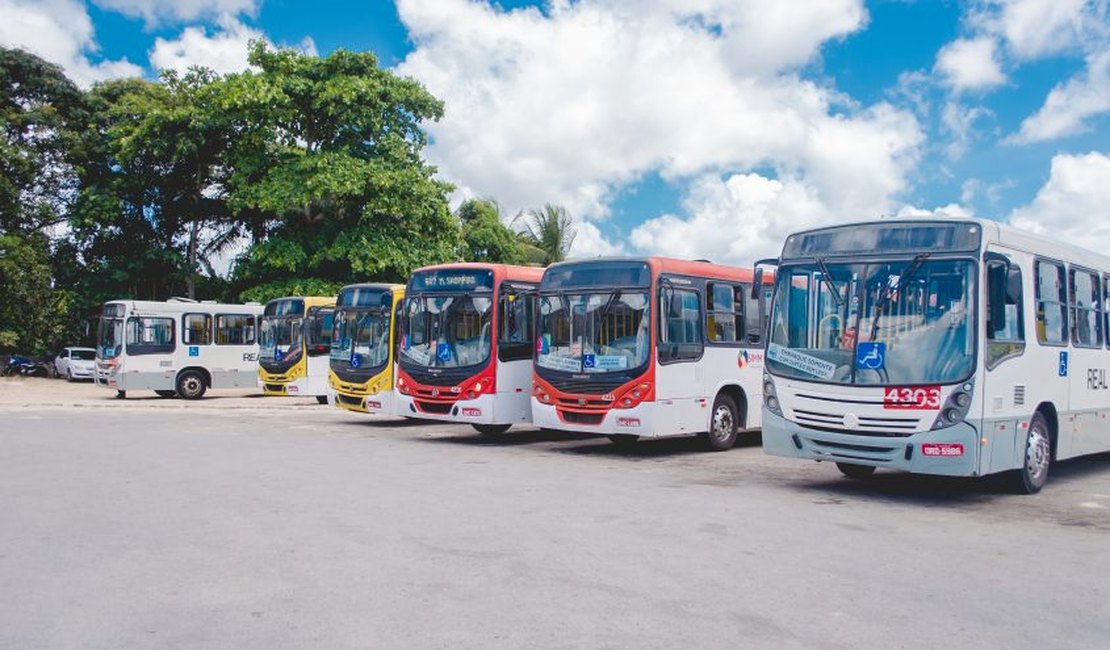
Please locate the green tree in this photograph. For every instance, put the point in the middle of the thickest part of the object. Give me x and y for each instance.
(41, 113)
(485, 237)
(32, 312)
(549, 232)
(329, 148)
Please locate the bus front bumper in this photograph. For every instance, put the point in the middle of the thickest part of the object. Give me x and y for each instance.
(382, 403)
(928, 452)
(635, 421)
(480, 410)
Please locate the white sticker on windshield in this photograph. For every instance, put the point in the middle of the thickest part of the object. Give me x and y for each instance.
(421, 357)
(605, 362)
(800, 361)
(567, 364)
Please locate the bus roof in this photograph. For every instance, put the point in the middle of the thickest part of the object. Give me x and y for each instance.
(993, 232)
(675, 266)
(507, 271)
(375, 286)
(187, 306)
(309, 301)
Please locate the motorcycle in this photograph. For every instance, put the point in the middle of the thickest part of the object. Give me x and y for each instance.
(24, 367)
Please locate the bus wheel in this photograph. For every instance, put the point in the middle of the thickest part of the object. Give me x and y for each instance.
(623, 439)
(1038, 458)
(165, 394)
(321, 399)
(190, 385)
(855, 471)
(491, 430)
(723, 426)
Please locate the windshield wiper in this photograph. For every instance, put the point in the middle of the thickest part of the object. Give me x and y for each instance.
(826, 277)
(906, 275)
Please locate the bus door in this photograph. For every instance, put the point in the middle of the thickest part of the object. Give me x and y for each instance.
(1004, 382)
(679, 379)
(516, 332)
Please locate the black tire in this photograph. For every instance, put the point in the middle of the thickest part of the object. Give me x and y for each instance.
(69, 374)
(321, 399)
(165, 394)
(852, 470)
(54, 372)
(491, 430)
(624, 440)
(1037, 459)
(724, 424)
(191, 385)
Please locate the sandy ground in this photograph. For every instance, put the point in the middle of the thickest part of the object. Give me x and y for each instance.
(36, 392)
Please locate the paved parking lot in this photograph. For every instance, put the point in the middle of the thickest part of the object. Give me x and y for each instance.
(240, 522)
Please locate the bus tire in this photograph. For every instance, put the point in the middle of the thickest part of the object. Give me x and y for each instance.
(191, 385)
(491, 430)
(321, 399)
(165, 394)
(723, 424)
(1037, 459)
(623, 440)
(851, 470)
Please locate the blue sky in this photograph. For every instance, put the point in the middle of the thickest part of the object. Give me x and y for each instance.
(705, 128)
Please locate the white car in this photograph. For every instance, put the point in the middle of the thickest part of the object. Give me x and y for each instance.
(75, 363)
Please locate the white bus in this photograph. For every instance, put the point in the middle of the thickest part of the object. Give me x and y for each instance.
(178, 347)
(647, 348)
(956, 347)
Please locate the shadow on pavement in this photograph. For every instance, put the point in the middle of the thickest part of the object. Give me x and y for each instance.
(511, 438)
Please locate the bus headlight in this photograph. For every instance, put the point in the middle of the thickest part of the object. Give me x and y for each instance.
(770, 396)
(955, 407)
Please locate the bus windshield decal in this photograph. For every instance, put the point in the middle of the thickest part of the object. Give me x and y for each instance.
(800, 361)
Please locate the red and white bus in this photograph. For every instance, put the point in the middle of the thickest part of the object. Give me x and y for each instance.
(466, 345)
(647, 348)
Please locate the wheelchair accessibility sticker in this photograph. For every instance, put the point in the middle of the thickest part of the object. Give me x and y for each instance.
(194, 351)
(871, 355)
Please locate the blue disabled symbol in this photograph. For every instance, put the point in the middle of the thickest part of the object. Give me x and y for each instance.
(871, 355)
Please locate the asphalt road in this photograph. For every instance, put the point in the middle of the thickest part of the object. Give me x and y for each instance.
(261, 523)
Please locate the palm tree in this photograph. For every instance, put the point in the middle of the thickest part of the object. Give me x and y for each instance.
(549, 233)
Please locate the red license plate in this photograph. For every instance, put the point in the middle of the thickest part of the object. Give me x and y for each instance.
(922, 398)
(373, 405)
(946, 449)
(470, 412)
(628, 422)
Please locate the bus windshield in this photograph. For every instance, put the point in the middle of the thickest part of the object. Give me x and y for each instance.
(280, 339)
(447, 331)
(361, 337)
(109, 339)
(908, 322)
(594, 332)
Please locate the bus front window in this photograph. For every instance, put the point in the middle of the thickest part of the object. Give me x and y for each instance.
(594, 332)
(110, 338)
(450, 331)
(908, 322)
(280, 338)
(361, 338)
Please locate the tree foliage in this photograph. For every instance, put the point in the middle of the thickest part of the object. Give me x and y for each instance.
(549, 232)
(485, 237)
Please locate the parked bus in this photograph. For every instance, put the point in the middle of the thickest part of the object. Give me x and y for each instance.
(294, 342)
(957, 347)
(466, 345)
(178, 347)
(648, 348)
(362, 347)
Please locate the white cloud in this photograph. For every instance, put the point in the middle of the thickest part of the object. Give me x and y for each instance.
(1037, 28)
(952, 210)
(590, 242)
(970, 64)
(223, 50)
(1069, 105)
(1071, 206)
(155, 11)
(737, 220)
(571, 104)
(59, 31)
(959, 121)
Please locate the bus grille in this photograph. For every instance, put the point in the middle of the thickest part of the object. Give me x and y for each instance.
(350, 400)
(276, 388)
(868, 425)
(570, 417)
(437, 408)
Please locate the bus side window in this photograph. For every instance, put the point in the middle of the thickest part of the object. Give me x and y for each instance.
(681, 331)
(1083, 299)
(1106, 308)
(196, 329)
(1005, 314)
(1052, 303)
(234, 329)
(723, 312)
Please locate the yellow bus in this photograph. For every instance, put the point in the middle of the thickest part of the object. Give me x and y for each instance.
(362, 347)
(294, 341)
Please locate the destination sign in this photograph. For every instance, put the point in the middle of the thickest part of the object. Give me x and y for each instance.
(452, 280)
